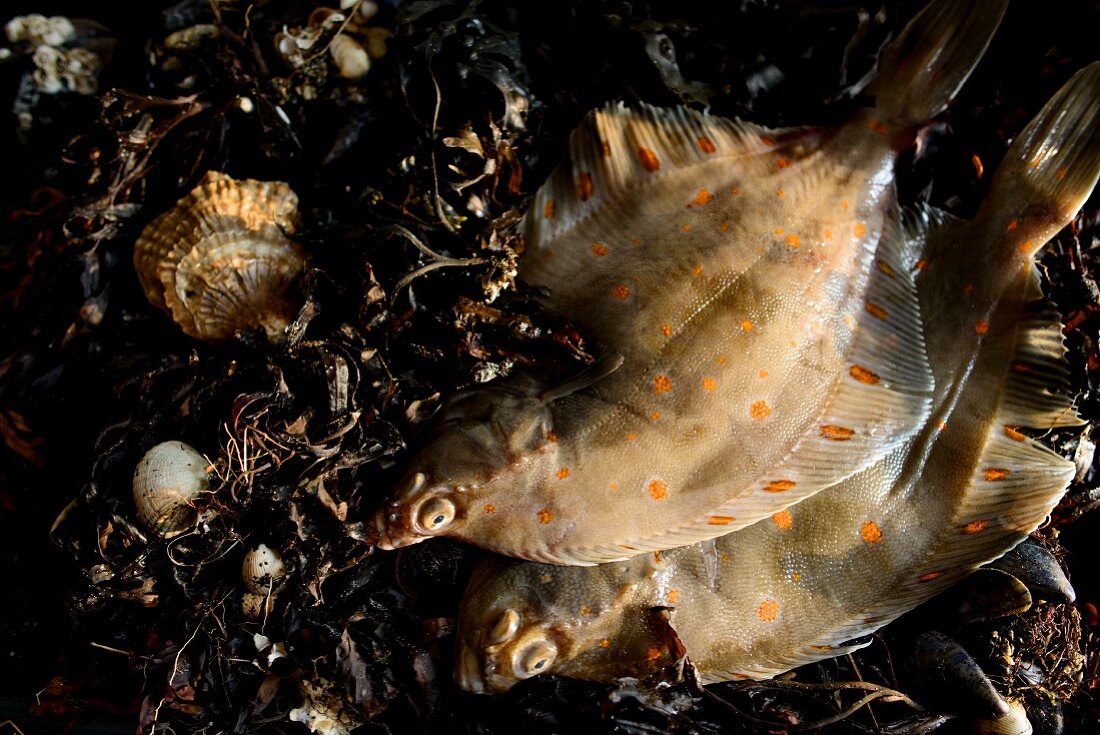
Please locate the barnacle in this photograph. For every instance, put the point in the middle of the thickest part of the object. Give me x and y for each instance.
(221, 259)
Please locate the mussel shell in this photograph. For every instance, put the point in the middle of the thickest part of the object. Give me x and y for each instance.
(989, 594)
(168, 480)
(1037, 568)
(948, 674)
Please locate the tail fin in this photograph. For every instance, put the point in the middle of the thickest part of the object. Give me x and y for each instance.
(923, 68)
(1053, 166)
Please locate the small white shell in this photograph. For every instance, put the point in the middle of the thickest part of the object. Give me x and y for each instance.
(1013, 723)
(221, 261)
(167, 481)
(262, 569)
(350, 57)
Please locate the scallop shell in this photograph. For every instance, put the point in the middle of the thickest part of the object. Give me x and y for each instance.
(263, 569)
(167, 481)
(220, 260)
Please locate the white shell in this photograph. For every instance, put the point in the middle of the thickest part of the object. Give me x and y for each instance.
(221, 261)
(263, 569)
(167, 481)
(350, 57)
(1013, 723)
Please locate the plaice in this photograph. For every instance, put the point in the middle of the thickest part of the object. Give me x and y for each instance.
(970, 485)
(730, 267)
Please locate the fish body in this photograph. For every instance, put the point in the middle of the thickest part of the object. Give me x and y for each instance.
(799, 586)
(763, 356)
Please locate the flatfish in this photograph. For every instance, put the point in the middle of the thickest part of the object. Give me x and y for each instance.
(800, 586)
(761, 355)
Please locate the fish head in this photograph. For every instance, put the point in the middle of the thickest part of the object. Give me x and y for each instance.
(521, 619)
(484, 437)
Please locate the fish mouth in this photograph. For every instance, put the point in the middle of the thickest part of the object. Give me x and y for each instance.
(392, 533)
(468, 674)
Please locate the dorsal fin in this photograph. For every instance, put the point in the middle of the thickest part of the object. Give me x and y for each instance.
(615, 148)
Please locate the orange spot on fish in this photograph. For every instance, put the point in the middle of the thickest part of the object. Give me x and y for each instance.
(782, 163)
(721, 359)
(860, 229)
(599, 249)
(836, 433)
(585, 186)
(613, 486)
(981, 327)
(697, 270)
(870, 532)
(563, 473)
(922, 264)
(548, 209)
(552, 437)
(586, 611)
(1012, 433)
(648, 159)
(662, 384)
(863, 375)
(545, 515)
(826, 234)
(844, 204)
(780, 193)
(666, 329)
(658, 490)
(1026, 246)
(655, 416)
(763, 374)
(724, 227)
(779, 486)
(992, 474)
(876, 126)
(686, 228)
(709, 384)
(746, 325)
(793, 241)
(620, 292)
(875, 310)
(631, 437)
(778, 230)
(605, 643)
(706, 145)
(768, 611)
(783, 519)
(796, 577)
(929, 576)
(701, 199)
(976, 526)
(490, 508)
(672, 596)
(760, 410)
(885, 268)
(652, 654)
(720, 520)
(1012, 225)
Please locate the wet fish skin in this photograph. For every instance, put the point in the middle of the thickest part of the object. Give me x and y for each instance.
(745, 386)
(792, 589)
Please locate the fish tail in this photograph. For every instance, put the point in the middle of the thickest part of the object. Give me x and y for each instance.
(924, 67)
(1052, 167)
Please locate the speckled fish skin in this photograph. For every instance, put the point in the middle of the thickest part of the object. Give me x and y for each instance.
(728, 265)
(793, 589)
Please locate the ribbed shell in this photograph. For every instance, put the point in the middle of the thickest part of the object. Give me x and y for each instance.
(263, 569)
(167, 481)
(220, 260)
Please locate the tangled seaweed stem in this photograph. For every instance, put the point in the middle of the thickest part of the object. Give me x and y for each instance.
(877, 693)
(438, 261)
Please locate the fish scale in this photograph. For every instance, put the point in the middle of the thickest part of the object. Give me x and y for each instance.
(729, 268)
(802, 585)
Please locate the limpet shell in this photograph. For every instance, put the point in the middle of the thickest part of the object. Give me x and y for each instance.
(220, 260)
(263, 569)
(167, 481)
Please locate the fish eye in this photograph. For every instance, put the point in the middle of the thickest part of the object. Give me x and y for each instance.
(436, 514)
(537, 658)
(505, 627)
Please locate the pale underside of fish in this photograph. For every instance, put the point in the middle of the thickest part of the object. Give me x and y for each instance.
(795, 588)
(764, 356)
